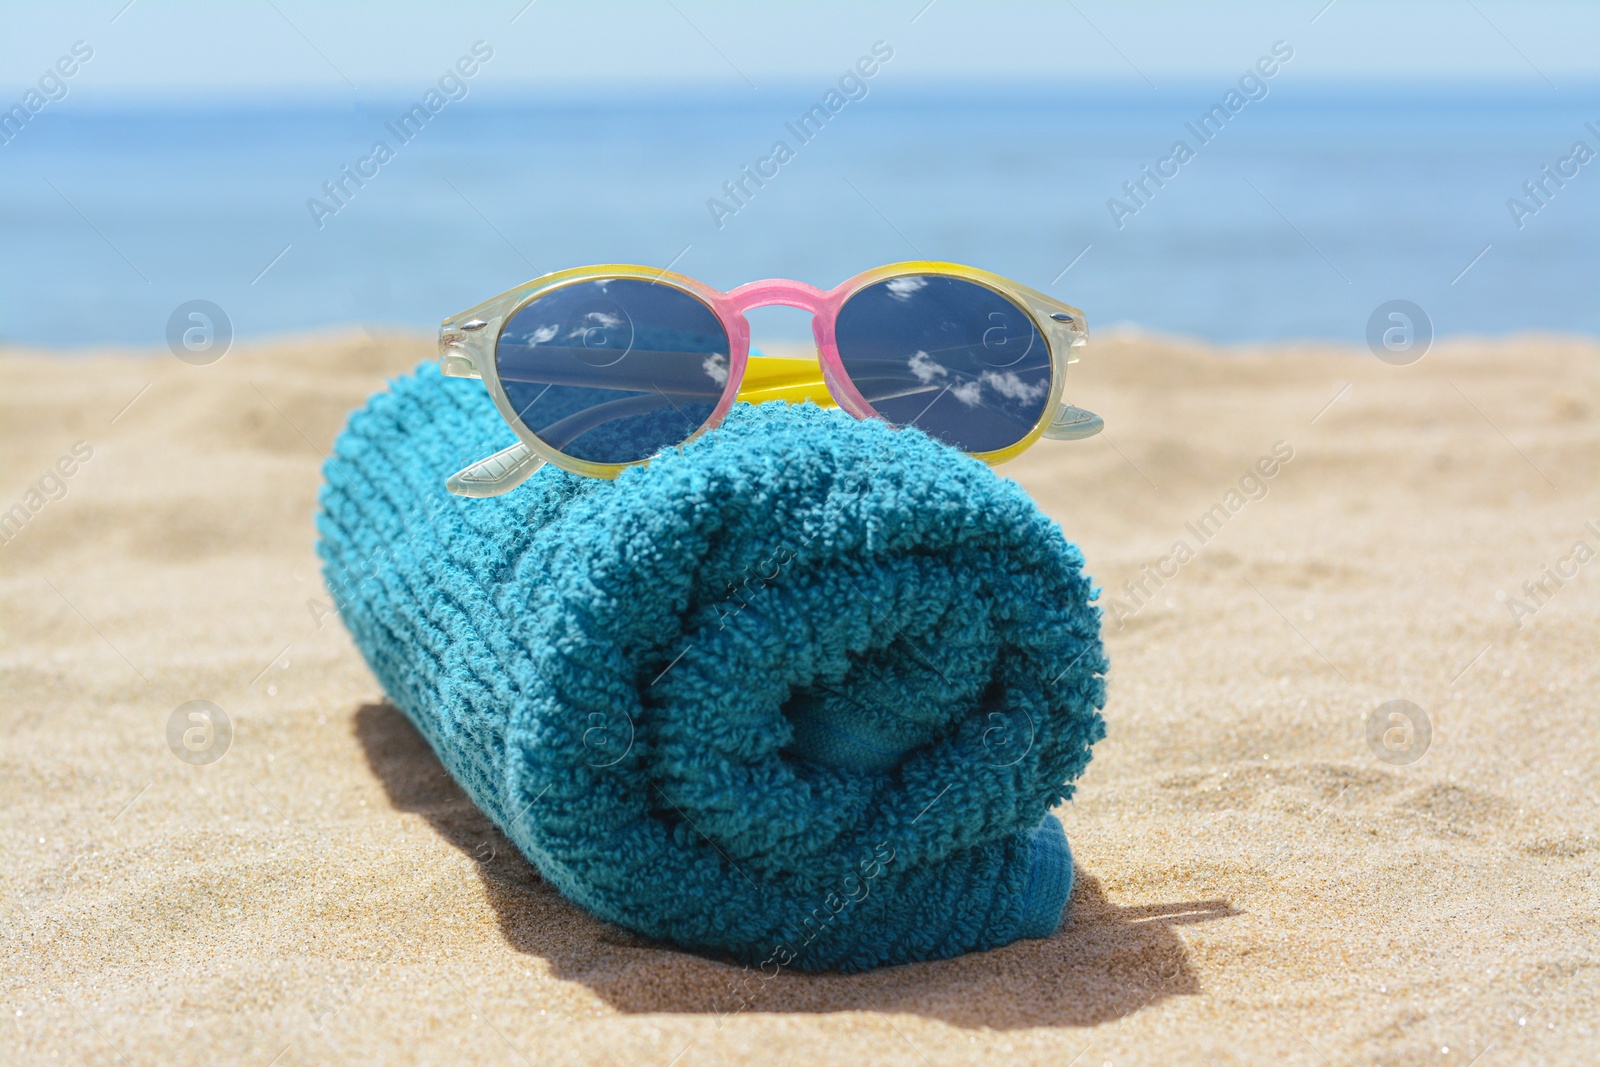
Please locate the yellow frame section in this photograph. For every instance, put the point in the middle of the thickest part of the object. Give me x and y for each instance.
(786, 378)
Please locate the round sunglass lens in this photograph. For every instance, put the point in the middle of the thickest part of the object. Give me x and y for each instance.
(951, 357)
(614, 370)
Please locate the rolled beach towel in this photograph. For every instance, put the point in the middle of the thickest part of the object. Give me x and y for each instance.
(801, 693)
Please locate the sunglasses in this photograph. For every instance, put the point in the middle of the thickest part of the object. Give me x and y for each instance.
(600, 368)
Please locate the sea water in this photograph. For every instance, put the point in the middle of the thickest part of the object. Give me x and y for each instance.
(1295, 216)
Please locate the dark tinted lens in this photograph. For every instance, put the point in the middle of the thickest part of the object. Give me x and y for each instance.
(950, 357)
(613, 371)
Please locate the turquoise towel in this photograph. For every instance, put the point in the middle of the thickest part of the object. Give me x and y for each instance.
(803, 692)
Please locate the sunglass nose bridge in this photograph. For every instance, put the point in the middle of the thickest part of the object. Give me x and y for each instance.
(780, 292)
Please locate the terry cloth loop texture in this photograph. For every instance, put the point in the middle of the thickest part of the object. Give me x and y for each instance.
(802, 692)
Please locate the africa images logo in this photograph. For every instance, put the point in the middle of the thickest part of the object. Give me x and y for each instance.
(1252, 86)
(450, 87)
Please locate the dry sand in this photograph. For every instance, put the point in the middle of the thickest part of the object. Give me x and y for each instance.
(1256, 886)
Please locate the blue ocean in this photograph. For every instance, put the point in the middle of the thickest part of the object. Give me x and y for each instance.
(1293, 216)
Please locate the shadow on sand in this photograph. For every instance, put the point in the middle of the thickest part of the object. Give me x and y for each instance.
(1104, 963)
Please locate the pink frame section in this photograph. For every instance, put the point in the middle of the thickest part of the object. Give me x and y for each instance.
(824, 308)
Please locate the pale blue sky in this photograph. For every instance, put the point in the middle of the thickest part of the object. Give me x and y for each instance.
(185, 47)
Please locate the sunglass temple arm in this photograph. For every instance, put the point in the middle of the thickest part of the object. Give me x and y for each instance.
(496, 474)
